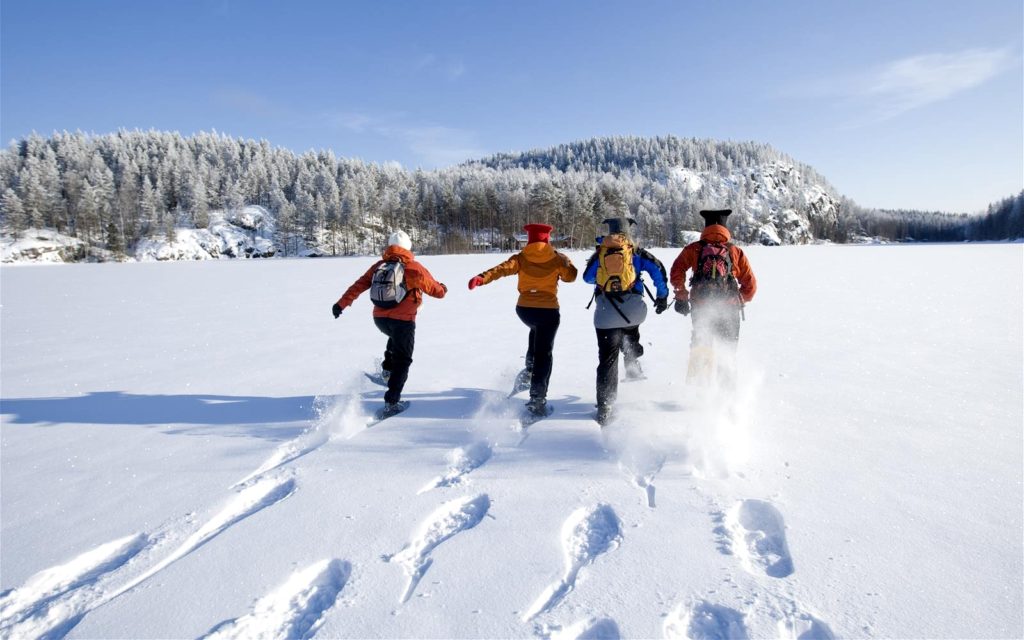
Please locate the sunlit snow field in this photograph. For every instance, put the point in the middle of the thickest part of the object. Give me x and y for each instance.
(184, 453)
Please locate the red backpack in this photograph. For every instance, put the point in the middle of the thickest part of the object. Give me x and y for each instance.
(712, 278)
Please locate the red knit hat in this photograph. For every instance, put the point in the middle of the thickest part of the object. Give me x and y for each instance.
(538, 232)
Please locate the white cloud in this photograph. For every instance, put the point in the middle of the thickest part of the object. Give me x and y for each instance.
(911, 83)
(424, 61)
(452, 69)
(442, 146)
(455, 70)
(435, 145)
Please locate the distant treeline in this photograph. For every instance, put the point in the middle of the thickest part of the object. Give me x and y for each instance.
(113, 190)
(1003, 220)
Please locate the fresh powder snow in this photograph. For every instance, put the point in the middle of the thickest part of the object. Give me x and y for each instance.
(185, 454)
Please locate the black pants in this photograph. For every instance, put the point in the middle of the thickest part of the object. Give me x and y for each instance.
(543, 324)
(398, 354)
(631, 347)
(609, 343)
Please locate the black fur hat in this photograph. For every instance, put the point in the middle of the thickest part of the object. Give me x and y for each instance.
(619, 225)
(715, 216)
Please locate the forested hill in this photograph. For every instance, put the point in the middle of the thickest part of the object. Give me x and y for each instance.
(654, 157)
(146, 194)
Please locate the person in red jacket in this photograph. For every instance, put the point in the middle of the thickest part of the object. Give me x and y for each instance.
(395, 314)
(722, 282)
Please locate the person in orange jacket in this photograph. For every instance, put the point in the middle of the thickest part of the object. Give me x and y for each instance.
(721, 284)
(539, 268)
(396, 300)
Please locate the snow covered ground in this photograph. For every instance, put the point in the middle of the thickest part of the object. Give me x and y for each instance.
(184, 453)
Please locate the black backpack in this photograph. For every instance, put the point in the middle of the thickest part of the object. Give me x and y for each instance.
(388, 286)
(712, 278)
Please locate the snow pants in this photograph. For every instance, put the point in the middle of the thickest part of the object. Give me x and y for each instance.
(609, 343)
(716, 334)
(543, 324)
(397, 355)
(631, 347)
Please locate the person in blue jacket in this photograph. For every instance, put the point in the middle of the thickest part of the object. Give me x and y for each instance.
(619, 294)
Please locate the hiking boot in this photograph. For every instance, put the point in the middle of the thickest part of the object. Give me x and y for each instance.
(392, 408)
(537, 406)
(604, 414)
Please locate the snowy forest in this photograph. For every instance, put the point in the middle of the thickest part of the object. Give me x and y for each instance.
(115, 193)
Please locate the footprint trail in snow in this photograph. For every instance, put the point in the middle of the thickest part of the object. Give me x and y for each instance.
(705, 621)
(588, 629)
(804, 626)
(449, 519)
(32, 610)
(586, 534)
(251, 500)
(61, 603)
(295, 609)
(642, 471)
(338, 416)
(757, 535)
(461, 461)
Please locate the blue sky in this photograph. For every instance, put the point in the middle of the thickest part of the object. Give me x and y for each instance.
(913, 104)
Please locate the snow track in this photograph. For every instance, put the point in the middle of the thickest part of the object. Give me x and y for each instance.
(293, 610)
(589, 629)
(461, 461)
(804, 626)
(642, 473)
(705, 621)
(34, 603)
(53, 616)
(251, 500)
(586, 534)
(451, 518)
(337, 416)
(758, 538)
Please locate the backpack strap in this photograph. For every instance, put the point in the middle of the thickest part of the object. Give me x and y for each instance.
(611, 300)
(648, 290)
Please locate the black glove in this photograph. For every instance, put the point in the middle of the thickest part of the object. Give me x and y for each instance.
(660, 305)
(336, 310)
(683, 307)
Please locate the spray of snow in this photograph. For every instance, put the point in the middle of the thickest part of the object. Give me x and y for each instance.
(706, 428)
(338, 417)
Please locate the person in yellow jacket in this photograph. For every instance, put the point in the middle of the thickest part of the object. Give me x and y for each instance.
(539, 268)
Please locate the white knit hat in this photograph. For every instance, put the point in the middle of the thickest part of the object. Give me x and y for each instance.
(401, 239)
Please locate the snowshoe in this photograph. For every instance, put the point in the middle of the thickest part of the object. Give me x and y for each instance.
(388, 410)
(535, 410)
(522, 382)
(379, 378)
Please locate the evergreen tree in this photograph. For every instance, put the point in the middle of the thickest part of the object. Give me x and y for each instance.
(13, 213)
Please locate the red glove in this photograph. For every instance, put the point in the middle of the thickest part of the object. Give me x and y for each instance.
(475, 282)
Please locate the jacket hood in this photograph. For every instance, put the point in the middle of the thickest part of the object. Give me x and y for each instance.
(715, 233)
(395, 251)
(538, 252)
